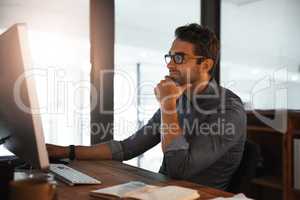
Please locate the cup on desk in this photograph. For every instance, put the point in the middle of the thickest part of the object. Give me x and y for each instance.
(37, 187)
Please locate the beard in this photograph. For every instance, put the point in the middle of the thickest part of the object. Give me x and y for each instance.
(176, 77)
(180, 79)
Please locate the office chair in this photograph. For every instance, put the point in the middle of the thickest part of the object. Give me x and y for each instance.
(251, 160)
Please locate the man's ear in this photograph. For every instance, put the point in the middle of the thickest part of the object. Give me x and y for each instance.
(207, 64)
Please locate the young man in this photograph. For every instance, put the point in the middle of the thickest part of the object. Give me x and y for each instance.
(201, 126)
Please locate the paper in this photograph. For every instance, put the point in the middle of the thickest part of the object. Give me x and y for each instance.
(235, 197)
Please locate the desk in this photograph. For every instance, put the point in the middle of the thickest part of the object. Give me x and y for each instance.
(113, 172)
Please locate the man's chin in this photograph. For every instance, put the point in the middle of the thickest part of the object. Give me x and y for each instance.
(179, 82)
(176, 79)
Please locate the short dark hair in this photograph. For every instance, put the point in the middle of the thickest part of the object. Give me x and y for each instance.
(205, 41)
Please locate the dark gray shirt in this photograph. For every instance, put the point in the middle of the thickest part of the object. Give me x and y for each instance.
(212, 143)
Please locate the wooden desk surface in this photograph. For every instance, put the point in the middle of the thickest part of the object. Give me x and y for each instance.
(113, 172)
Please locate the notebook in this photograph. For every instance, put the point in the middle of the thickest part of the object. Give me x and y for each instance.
(141, 191)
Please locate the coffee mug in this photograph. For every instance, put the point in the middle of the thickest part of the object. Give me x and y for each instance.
(36, 187)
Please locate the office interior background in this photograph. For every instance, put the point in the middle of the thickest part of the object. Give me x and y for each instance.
(259, 59)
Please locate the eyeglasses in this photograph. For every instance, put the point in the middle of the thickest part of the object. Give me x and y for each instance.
(179, 58)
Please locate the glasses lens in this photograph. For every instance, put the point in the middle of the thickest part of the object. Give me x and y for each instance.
(178, 59)
(168, 58)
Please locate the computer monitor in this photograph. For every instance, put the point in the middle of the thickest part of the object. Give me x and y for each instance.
(19, 124)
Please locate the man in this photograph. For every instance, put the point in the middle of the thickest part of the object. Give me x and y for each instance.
(201, 126)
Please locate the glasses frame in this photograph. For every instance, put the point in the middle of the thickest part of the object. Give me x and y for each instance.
(185, 57)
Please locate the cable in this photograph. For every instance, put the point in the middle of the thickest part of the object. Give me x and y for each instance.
(2, 140)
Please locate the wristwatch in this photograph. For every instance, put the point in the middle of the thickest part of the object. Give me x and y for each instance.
(72, 152)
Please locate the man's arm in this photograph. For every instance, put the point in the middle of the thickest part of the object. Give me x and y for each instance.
(144, 139)
(167, 93)
(170, 124)
(94, 152)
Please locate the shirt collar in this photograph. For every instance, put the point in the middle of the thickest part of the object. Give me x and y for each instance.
(209, 98)
(212, 88)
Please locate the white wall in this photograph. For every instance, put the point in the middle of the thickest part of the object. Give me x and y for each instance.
(258, 40)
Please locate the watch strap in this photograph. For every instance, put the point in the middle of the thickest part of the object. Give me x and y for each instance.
(72, 155)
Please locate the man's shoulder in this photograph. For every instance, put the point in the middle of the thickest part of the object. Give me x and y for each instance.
(230, 98)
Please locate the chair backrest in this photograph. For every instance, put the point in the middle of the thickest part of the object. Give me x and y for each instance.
(241, 180)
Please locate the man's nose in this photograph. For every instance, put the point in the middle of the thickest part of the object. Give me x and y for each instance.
(171, 65)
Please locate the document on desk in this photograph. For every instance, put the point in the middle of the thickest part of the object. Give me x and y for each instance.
(239, 196)
(141, 191)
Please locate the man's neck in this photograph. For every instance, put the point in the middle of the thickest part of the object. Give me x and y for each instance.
(197, 88)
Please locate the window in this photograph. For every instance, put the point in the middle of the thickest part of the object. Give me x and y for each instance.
(260, 51)
(59, 43)
(144, 33)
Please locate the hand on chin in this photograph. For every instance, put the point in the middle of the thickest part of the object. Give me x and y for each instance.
(175, 78)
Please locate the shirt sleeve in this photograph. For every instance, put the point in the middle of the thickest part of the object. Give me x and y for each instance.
(116, 150)
(185, 159)
(144, 139)
(178, 143)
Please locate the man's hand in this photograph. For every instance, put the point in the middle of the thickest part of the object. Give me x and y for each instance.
(55, 151)
(167, 91)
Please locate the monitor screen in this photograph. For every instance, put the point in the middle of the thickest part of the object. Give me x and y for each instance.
(19, 115)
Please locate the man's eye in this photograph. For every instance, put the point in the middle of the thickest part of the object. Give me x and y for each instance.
(177, 58)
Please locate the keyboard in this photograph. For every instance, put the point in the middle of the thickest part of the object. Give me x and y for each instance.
(71, 176)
